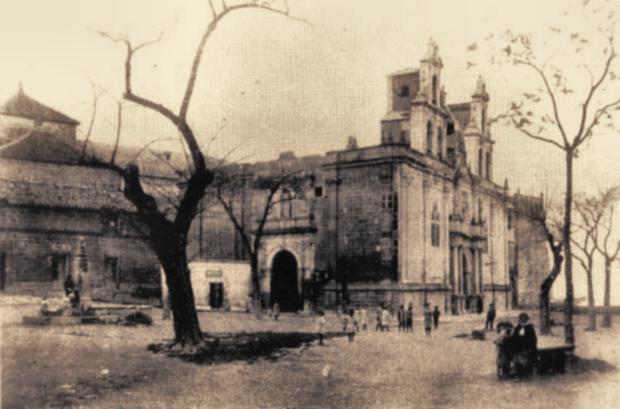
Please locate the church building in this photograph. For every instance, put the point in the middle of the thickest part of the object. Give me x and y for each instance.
(417, 218)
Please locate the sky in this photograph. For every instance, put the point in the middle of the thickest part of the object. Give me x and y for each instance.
(269, 84)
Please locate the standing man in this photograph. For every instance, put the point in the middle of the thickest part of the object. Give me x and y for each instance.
(436, 315)
(409, 318)
(525, 344)
(69, 285)
(490, 317)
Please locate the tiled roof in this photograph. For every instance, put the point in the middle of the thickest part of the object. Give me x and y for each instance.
(58, 195)
(40, 147)
(60, 185)
(23, 106)
(37, 146)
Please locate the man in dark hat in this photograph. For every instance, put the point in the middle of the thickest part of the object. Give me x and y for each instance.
(525, 345)
(488, 325)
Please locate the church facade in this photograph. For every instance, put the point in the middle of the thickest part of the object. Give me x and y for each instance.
(417, 218)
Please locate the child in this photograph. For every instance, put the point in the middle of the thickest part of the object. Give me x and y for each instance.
(276, 311)
(385, 319)
(364, 319)
(401, 319)
(44, 306)
(320, 326)
(379, 327)
(350, 329)
(428, 319)
(504, 352)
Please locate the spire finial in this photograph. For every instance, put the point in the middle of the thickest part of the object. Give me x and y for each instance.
(480, 86)
(432, 49)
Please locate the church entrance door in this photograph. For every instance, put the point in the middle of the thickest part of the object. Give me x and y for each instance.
(284, 287)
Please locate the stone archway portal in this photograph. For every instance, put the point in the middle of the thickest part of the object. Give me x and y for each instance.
(284, 286)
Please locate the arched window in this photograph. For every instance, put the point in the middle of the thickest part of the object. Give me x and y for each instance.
(440, 143)
(484, 119)
(480, 159)
(488, 163)
(429, 138)
(434, 90)
(435, 231)
(479, 211)
(286, 204)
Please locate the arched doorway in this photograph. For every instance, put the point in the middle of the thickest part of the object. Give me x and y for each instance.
(284, 288)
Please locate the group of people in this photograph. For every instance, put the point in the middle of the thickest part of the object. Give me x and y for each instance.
(354, 320)
(516, 348)
(71, 298)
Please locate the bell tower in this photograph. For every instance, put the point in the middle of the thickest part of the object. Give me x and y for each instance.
(478, 142)
(430, 74)
(428, 113)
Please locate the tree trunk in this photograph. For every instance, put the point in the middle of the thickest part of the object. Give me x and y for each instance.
(591, 306)
(607, 301)
(171, 254)
(545, 291)
(168, 240)
(569, 330)
(545, 314)
(255, 283)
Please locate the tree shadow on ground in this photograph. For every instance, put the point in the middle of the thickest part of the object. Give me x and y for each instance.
(248, 347)
(589, 365)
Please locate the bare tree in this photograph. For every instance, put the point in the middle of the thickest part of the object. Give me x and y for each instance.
(167, 232)
(236, 189)
(590, 211)
(609, 250)
(590, 88)
(546, 218)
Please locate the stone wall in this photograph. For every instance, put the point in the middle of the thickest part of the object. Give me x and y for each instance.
(35, 239)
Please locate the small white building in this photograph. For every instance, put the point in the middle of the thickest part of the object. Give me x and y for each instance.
(218, 284)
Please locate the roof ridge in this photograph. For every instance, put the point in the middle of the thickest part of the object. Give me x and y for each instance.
(24, 106)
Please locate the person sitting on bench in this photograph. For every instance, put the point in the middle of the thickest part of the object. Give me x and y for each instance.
(525, 346)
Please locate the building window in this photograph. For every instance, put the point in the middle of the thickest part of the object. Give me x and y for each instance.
(318, 191)
(429, 138)
(387, 200)
(480, 211)
(404, 91)
(440, 143)
(480, 159)
(488, 165)
(111, 270)
(59, 266)
(510, 220)
(484, 119)
(434, 90)
(286, 204)
(450, 129)
(435, 231)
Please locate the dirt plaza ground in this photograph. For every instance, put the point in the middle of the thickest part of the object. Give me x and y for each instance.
(108, 366)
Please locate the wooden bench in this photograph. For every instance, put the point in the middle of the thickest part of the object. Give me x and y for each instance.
(553, 359)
